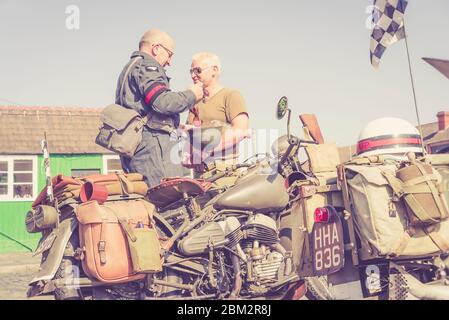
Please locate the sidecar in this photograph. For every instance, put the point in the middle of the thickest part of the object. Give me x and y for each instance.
(344, 252)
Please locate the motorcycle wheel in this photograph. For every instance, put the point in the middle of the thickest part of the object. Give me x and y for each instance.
(318, 289)
(171, 276)
(167, 274)
(68, 269)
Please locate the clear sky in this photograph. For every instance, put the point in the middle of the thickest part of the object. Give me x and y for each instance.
(314, 52)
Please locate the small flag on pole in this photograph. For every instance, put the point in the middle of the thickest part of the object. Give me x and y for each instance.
(388, 21)
(439, 64)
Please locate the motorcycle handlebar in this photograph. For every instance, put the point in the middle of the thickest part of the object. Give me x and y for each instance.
(224, 173)
(294, 141)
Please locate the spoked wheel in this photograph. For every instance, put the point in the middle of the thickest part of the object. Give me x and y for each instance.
(165, 230)
(69, 270)
(318, 289)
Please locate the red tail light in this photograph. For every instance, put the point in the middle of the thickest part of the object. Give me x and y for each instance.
(322, 215)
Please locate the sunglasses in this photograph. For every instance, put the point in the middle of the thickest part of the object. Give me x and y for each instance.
(198, 70)
(170, 53)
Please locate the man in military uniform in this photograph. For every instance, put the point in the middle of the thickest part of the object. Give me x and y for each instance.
(146, 90)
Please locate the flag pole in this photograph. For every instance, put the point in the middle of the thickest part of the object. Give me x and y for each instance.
(413, 87)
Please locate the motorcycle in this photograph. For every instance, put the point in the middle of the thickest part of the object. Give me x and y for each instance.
(320, 229)
(227, 248)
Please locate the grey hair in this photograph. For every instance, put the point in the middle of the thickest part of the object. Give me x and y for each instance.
(209, 58)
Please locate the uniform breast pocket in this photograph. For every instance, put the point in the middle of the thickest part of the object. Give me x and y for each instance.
(161, 122)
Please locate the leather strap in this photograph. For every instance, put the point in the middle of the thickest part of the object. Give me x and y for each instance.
(124, 224)
(102, 245)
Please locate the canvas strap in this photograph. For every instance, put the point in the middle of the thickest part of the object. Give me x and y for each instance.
(395, 184)
(402, 242)
(145, 119)
(404, 239)
(439, 241)
(366, 244)
(149, 210)
(409, 189)
(126, 185)
(418, 209)
(125, 76)
(436, 194)
(367, 160)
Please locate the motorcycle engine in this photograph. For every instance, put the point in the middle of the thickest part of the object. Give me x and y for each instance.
(265, 263)
(263, 259)
(264, 254)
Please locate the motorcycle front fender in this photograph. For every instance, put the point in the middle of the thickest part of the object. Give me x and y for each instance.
(50, 265)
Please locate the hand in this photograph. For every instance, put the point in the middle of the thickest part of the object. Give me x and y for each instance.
(194, 159)
(197, 89)
(205, 95)
(186, 127)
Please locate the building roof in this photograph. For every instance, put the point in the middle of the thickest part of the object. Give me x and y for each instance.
(440, 136)
(69, 130)
(429, 130)
(432, 134)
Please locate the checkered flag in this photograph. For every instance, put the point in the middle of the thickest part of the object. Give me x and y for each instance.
(388, 20)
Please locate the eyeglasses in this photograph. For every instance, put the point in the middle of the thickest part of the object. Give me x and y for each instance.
(198, 70)
(170, 53)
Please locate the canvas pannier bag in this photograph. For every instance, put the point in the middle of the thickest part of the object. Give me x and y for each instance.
(381, 219)
(421, 187)
(121, 130)
(122, 127)
(119, 240)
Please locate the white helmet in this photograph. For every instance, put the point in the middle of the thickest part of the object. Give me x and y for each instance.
(391, 136)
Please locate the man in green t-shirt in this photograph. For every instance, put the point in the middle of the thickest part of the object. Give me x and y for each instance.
(220, 106)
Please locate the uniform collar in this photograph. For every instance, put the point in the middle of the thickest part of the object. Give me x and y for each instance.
(145, 56)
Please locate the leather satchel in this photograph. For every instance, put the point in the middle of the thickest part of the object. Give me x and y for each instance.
(119, 241)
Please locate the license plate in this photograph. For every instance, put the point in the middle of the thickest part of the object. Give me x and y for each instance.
(327, 247)
(45, 243)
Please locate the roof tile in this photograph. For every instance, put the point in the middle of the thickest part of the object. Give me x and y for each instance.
(69, 130)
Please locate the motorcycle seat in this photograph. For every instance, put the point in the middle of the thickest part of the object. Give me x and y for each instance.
(171, 190)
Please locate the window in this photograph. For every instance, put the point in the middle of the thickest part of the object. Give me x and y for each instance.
(3, 178)
(18, 178)
(84, 172)
(112, 164)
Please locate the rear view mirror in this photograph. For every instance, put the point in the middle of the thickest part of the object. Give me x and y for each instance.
(282, 107)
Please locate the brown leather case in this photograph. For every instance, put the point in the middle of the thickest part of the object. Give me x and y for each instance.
(104, 239)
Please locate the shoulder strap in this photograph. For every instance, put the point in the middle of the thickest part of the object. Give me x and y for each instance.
(125, 76)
